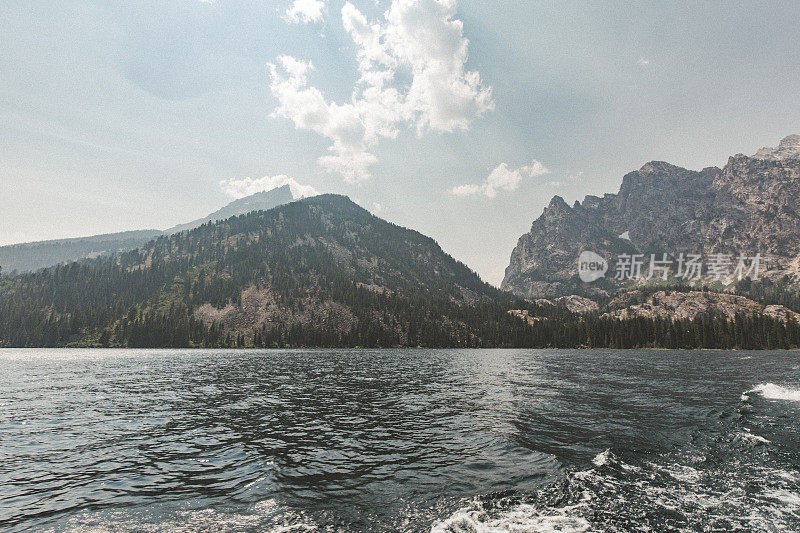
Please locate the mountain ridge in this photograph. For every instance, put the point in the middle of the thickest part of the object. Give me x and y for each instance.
(316, 271)
(31, 256)
(751, 205)
(324, 272)
(258, 201)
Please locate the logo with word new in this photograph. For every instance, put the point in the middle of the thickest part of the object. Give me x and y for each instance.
(591, 266)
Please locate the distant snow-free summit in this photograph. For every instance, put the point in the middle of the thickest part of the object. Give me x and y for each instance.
(751, 205)
(32, 256)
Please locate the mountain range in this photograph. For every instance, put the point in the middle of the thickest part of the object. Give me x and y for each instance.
(267, 271)
(750, 206)
(319, 271)
(32, 256)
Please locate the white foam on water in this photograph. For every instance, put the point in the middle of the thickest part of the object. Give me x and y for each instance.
(755, 439)
(264, 516)
(785, 496)
(771, 391)
(521, 518)
(602, 458)
(611, 491)
(607, 458)
(684, 473)
(751, 438)
(533, 518)
(189, 521)
(791, 476)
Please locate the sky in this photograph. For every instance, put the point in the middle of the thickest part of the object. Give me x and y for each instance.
(460, 119)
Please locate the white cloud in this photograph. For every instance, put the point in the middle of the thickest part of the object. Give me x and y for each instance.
(418, 37)
(304, 11)
(501, 178)
(572, 178)
(643, 62)
(423, 35)
(234, 188)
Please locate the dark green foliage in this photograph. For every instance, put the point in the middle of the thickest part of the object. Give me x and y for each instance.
(324, 249)
(784, 291)
(391, 287)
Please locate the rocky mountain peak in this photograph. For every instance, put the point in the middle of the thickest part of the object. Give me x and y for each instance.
(657, 167)
(749, 206)
(557, 208)
(788, 148)
(558, 203)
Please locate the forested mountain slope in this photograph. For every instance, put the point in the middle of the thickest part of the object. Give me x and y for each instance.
(31, 256)
(321, 271)
(324, 272)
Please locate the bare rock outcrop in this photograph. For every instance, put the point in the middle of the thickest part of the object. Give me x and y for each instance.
(751, 205)
(690, 305)
(577, 304)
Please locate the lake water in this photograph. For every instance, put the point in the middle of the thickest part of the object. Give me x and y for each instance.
(399, 440)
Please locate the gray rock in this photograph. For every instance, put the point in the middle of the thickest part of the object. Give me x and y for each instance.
(750, 206)
(789, 148)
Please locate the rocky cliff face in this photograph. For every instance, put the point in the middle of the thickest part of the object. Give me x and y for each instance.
(690, 305)
(752, 205)
(789, 148)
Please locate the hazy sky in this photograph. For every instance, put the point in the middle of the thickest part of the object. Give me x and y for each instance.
(458, 119)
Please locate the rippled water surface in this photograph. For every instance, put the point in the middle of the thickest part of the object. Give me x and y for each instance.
(399, 440)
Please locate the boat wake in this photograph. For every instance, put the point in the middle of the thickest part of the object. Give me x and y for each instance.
(771, 391)
(733, 479)
(263, 516)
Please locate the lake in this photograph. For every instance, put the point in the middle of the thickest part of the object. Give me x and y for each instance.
(399, 440)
